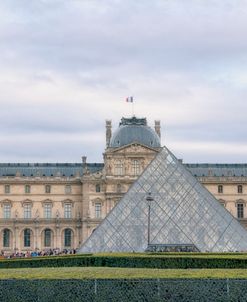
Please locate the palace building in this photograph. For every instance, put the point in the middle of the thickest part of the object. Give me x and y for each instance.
(58, 205)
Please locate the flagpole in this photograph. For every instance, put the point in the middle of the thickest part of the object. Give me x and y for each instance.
(130, 99)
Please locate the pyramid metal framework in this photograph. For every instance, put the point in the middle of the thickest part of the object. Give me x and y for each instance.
(182, 212)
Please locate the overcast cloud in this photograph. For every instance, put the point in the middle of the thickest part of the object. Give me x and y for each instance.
(67, 65)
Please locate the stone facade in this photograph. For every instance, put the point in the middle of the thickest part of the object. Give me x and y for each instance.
(45, 206)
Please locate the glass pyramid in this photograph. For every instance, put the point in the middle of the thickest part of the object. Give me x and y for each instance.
(182, 212)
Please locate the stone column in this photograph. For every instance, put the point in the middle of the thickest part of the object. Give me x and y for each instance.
(15, 245)
(57, 242)
(36, 245)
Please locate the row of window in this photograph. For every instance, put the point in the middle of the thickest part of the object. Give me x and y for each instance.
(47, 189)
(27, 211)
(135, 167)
(27, 238)
(239, 189)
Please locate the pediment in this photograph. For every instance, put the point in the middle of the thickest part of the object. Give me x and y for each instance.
(134, 148)
(27, 201)
(6, 201)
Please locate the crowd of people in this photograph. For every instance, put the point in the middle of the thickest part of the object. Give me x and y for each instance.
(28, 254)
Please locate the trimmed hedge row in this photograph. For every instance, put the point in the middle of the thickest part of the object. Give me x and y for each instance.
(155, 290)
(136, 261)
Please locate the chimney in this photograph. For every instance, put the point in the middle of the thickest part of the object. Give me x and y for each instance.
(157, 127)
(84, 161)
(108, 132)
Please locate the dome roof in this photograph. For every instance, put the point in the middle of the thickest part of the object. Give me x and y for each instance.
(134, 130)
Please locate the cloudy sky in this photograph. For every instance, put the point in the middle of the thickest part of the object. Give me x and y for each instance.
(67, 65)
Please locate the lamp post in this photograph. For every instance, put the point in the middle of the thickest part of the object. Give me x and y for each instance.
(149, 200)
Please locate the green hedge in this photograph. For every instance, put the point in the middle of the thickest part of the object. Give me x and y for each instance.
(135, 261)
(155, 290)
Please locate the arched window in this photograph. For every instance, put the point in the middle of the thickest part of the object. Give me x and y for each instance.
(97, 188)
(6, 238)
(240, 189)
(67, 237)
(27, 238)
(220, 189)
(47, 238)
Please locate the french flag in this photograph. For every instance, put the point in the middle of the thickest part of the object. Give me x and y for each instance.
(130, 99)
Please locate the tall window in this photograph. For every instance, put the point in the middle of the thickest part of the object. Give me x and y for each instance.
(6, 238)
(27, 189)
(97, 188)
(7, 189)
(47, 238)
(135, 165)
(47, 189)
(27, 210)
(240, 210)
(240, 189)
(27, 238)
(98, 208)
(6, 211)
(67, 189)
(119, 167)
(67, 237)
(67, 210)
(220, 189)
(47, 210)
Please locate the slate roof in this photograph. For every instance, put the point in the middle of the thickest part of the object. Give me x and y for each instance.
(47, 169)
(73, 169)
(218, 170)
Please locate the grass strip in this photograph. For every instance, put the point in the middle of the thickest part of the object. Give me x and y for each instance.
(119, 273)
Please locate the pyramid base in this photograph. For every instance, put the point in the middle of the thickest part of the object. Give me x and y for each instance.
(157, 248)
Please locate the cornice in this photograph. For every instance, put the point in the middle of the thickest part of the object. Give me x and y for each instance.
(222, 179)
(42, 181)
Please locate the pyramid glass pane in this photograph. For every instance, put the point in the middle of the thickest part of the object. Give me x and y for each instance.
(182, 212)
